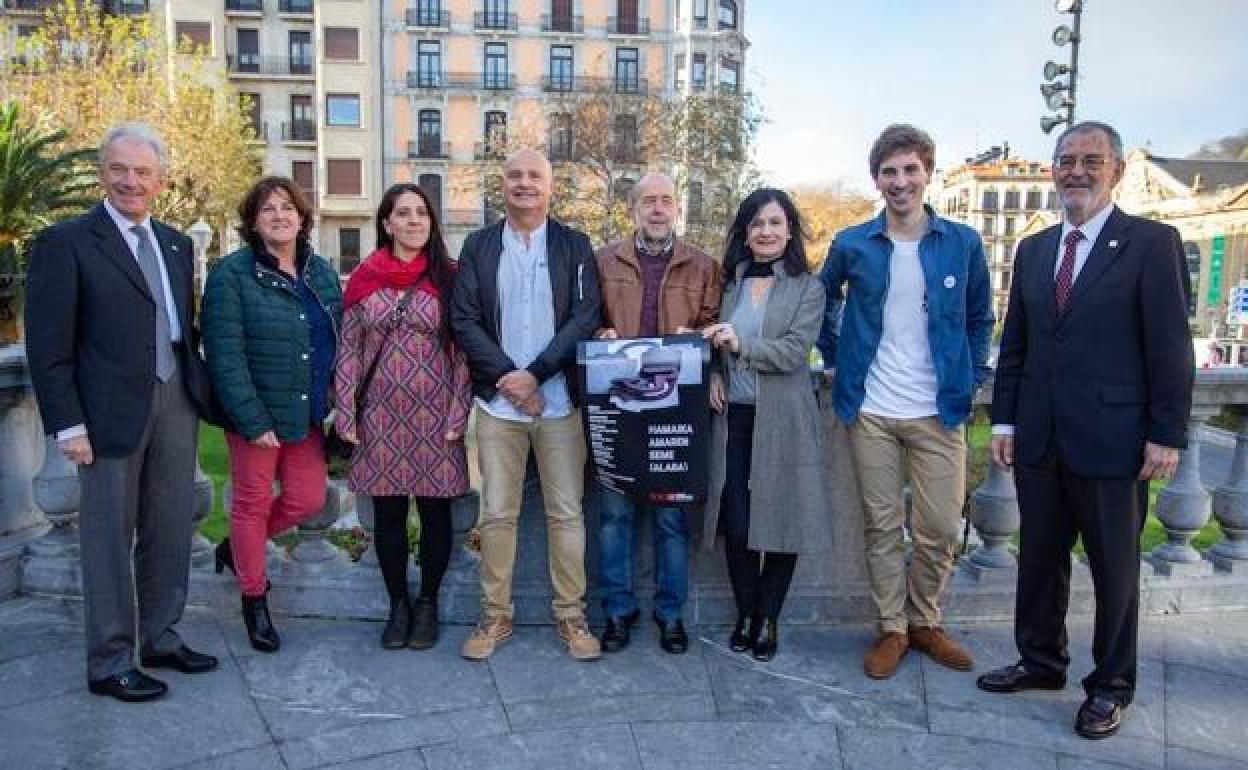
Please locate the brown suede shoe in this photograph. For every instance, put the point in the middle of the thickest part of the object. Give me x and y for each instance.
(940, 647)
(885, 655)
(489, 633)
(575, 635)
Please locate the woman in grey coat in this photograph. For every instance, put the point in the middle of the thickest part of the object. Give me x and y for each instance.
(766, 485)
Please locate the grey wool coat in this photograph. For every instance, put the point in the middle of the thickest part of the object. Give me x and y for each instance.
(788, 509)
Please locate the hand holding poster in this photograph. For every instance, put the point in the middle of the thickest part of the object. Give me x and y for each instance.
(647, 415)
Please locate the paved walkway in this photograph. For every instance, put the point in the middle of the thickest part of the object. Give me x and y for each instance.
(332, 697)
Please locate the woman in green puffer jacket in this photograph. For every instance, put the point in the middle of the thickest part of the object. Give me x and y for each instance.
(270, 318)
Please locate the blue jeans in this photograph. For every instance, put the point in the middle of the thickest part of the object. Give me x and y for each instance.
(671, 555)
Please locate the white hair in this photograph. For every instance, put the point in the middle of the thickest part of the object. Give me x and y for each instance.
(135, 131)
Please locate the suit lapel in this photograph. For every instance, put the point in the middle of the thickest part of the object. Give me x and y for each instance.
(113, 246)
(1109, 244)
(1047, 243)
(175, 267)
(778, 311)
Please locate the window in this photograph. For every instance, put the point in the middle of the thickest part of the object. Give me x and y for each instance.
(1009, 224)
(248, 50)
(303, 174)
(342, 43)
(428, 13)
(561, 16)
(342, 110)
(990, 225)
(699, 72)
(561, 68)
(496, 13)
(678, 67)
(1052, 201)
(626, 68)
(251, 103)
(622, 187)
(561, 136)
(195, 34)
(626, 149)
(694, 207)
(302, 119)
(727, 14)
(432, 186)
(729, 76)
(1011, 200)
(429, 63)
(343, 177)
(348, 249)
(301, 54)
(496, 65)
(495, 132)
(990, 200)
(1033, 200)
(627, 17)
(701, 12)
(429, 131)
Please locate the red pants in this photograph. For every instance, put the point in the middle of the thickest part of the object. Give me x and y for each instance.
(255, 514)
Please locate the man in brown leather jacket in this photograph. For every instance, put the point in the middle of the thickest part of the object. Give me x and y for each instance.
(653, 284)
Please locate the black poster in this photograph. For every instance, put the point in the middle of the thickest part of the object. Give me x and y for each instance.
(647, 415)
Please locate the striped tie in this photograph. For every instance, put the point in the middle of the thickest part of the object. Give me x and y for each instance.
(1066, 272)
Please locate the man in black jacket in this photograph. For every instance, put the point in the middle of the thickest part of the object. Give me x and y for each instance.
(526, 293)
(113, 358)
(1093, 390)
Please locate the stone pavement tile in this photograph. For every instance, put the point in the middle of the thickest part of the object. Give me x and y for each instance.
(259, 758)
(331, 675)
(205, 715)
(397, 760)
(815, 677)
(1186, 759)
(1205, 711)
(739, 745)
(609, 747)
(1215, 641)
(34, 626)
(869, 749)
(542, 686)
(403, 735)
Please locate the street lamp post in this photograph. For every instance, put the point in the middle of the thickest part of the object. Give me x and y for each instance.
(1060, 96)
(201, 236)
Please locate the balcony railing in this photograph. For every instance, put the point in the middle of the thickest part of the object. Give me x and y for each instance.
(296, 6)
(429, 149)
(627, 25)
(490, 20)
(557, 83)
(570, 24)
(569, 83)
(30, 5)
(299, 131)
(483, 151)
(255, 64)
(126, 7)
(461, 81)
(428, 17)
(244, 6)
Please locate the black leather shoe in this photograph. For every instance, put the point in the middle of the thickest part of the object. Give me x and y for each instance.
(767, 643)
(424, 634)
(132, 687)
(183, 659)
(260, 630)
(615, 635)
(672, 636)
(745, 633)
(223, 557)
(1099, 717)
(398, 626)
(1017, 678)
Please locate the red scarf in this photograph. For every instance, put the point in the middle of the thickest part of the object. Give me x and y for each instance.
(383, 270)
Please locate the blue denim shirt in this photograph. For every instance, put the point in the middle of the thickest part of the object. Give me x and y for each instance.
(959, 311)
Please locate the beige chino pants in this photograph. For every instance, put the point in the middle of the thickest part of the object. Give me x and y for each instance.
(935, 462)
(503, 452)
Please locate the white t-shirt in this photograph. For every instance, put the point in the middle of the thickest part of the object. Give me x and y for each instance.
(901, 382)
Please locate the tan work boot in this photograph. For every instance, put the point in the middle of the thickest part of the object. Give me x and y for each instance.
(883, 657)
(575, 635)
(940, 647)
(489, 633)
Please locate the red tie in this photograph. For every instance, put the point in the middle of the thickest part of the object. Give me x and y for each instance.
(1066, 272)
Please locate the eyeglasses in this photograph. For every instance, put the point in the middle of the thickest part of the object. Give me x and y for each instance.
(1090, 162)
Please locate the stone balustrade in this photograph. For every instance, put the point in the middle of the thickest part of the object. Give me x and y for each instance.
(38, 512)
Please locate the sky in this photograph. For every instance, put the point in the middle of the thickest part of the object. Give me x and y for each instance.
(830, 74)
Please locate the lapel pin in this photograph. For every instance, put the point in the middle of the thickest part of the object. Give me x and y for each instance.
(950, 281)
(1113, 244)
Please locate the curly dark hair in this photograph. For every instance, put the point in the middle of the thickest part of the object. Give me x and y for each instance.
(258, 195)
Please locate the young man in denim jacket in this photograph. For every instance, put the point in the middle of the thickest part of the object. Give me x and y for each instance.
(910, 352)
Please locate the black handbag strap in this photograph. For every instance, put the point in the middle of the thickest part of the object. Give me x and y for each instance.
(397, 318)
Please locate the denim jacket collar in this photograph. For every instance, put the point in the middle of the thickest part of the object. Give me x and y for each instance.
(878, 227)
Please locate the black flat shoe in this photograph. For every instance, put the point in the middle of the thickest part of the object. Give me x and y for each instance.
(132, 687)
(672, 636)
(398, 626)
(183, 659)
(260, 630)
(424, 633)
(745, 633)
(1099, 717)
(765, 646)
(615, 635)
(1017, 678)
(223, 557)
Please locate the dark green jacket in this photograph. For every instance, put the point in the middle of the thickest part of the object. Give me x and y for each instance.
(256, 342)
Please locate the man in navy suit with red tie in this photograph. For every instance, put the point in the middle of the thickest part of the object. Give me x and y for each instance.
(1093, 390)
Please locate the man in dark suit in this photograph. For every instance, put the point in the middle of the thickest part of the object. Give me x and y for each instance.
(109, 322)
(1093, 390)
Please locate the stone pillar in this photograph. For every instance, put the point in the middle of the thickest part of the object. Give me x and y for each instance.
(201, 547)
(1183, 507)
(21, 454)
(994, 513)
(1230, 507)
(57, 493)
(313, 554)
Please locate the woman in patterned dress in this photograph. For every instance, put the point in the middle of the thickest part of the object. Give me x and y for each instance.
(409, 429)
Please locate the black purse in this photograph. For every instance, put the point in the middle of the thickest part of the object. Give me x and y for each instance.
(336, 447)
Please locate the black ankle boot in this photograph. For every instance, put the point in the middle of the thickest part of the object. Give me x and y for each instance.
(260, 628)
(394, 636)
(223, 556)
(745, 633)
(424, 624)
(765, 646)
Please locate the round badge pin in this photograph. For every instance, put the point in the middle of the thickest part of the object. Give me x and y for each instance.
(950, 281)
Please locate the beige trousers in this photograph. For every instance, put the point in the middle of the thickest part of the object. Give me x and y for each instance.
(503, 451)
(935, 462)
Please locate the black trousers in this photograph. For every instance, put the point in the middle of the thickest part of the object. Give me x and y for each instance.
(760, 581)
(1057, 506)
(390, 531)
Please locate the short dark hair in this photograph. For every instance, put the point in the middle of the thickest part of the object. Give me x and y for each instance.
(258, 195)
(902, 137)
(736, 251)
